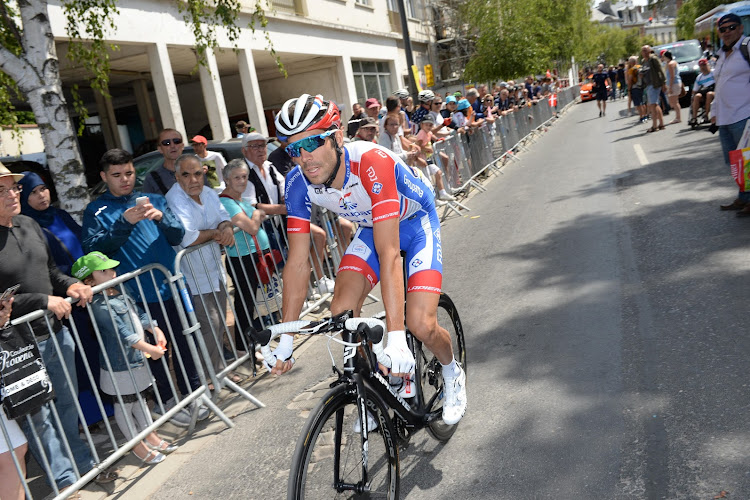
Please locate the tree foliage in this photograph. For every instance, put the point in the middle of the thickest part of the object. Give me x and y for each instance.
(688, 12)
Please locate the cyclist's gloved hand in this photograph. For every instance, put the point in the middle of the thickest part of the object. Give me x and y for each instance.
(401, 358)
(283, 353)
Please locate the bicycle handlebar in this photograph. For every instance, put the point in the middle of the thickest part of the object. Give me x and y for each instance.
(371, 329)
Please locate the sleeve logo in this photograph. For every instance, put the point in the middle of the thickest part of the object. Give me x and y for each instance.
(377, 187)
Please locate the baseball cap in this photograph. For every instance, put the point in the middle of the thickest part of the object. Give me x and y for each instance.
(4, 172)
(367, 122)
(729, 18)
(200, 139)
(94, 261)
(428, 118)
(372, 102)
(450, 98)
(703, 61)
(253, 136)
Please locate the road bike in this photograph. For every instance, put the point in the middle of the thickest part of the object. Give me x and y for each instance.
(349, 446)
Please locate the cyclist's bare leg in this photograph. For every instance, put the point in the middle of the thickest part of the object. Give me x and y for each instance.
(421, 319)
(350, 292)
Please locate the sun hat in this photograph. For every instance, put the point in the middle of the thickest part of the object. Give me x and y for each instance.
(463, 104)
(4, 172)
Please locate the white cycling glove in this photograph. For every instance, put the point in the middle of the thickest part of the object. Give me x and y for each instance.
(402, 360)
(282, 352)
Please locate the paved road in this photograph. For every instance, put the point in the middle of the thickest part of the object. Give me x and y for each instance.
(602, 293)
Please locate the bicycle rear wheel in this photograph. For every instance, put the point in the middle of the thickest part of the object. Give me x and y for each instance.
(429, 371)
(331, 450)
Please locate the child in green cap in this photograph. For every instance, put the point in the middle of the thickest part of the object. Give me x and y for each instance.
(122, 324)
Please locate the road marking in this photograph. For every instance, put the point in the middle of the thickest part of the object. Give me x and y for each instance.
(640, 154)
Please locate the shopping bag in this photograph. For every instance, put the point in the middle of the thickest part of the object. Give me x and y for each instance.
(268, 297)
(739, 162)
(24, 383)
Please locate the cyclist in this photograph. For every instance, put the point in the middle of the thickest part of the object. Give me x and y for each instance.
(395, 210)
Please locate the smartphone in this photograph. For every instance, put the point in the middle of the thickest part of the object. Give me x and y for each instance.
(9, 292)
(141, 200)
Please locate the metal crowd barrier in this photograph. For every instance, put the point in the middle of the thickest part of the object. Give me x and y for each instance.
(87, 336)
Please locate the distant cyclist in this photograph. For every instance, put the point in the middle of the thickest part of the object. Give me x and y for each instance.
(395, 210)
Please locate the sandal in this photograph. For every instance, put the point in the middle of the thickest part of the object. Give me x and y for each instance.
(652, 129)
(661, 127)
(163, 447)
(153, 457)
(106, 477)
(236, 378)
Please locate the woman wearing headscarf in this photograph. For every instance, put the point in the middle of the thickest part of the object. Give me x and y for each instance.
(62, 232)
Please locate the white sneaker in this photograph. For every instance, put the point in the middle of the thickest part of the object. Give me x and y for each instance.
(372, 423)
(454, 406)
(445, 196)
(325, 285)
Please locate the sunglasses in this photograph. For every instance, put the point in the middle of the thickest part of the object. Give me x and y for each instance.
(309, 144)
(731, 27)
(167, 142)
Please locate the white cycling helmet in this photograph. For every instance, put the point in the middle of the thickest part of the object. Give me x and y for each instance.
(306, 113)
(401, 93)
(426, 96)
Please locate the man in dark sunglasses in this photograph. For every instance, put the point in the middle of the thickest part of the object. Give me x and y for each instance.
(170, 144)
(731, 106)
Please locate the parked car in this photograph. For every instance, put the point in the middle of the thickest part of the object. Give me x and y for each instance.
(687, 53)
(587, 89)
(151, 161)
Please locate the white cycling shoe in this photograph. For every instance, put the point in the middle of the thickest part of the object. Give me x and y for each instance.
(454, 406)
(372, 423)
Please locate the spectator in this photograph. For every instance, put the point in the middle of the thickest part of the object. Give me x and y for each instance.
(393, 108)
(357, 115)
(621, 79)
(213, 162)
(114, 315)
(612, 74)
(390, 139)
(674, 85)
(489, 110)
(63, 234)
(472, 95)
(451, 105)
(459, 116)
(368, 130)
(11, 484)
(139, 235)
(404, 99)
(703, 92)
(601, 81)
(243, 254)
(280, 159)
(731, 105)
(409, 108)
(242, 128)
(425, 99)
(372, 108)
(425, 138)
(205, 221)
(504, 103)
(163, 178)
(25, 259)
(655, 81)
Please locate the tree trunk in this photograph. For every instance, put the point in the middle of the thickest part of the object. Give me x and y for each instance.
(37, 75)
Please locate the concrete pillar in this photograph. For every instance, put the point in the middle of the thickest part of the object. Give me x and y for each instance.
(213, 97)
(145, 109)
(165, 88)
(251, 90)
(108, 121)
(346, 89)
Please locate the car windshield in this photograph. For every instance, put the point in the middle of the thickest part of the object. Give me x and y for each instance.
(686, 52)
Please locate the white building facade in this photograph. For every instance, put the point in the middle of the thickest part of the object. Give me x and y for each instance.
(346, 50)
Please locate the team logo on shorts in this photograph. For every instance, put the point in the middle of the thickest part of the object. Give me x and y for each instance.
(416, 263)
(346, 203)
(377, 187)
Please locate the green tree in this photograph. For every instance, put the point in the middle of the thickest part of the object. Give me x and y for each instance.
(688, 12)
(29, 68)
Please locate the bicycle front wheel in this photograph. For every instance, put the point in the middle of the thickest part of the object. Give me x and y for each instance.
(430, 372)
(328, 461)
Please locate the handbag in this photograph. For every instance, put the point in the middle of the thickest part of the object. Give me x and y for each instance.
(267, 262)
(24, 383)
(268, 297)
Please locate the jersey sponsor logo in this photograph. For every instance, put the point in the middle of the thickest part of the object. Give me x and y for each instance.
(346, 202)
(437, 234)
(371, 174)
(385, 216)
(376, 188)
(318, 190)
(416, 263)
(415, 189)
(355, 214)
(380, 153)
(423, 288)
(360, 250)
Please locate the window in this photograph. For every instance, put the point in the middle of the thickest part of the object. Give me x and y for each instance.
(411, 12)
(363, 2)
(372, 79)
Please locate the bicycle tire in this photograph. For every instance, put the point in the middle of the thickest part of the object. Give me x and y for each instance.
(429, 371)
(312, 474)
